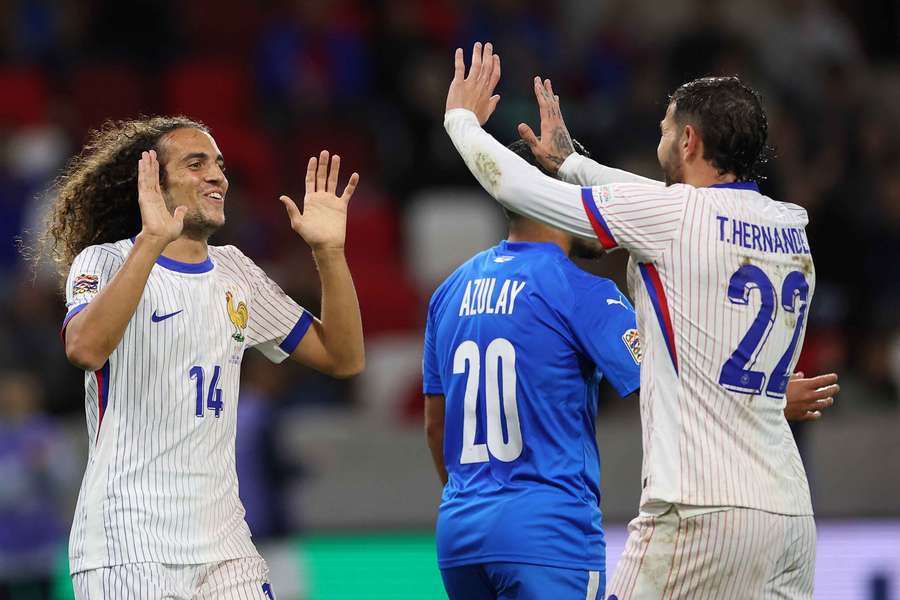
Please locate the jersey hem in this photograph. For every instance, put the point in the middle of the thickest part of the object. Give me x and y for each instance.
(528, 560)
(80, 566)
(720, 505)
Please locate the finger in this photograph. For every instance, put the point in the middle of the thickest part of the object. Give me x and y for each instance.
(322, 171)
(154, 171)
(142, 171)
(539, 95)
(822, 404)
(311, 175)
(351, 187)
(292, 210)
(475, 69)
(333, 174)
(487, 62)
(812, 394)
(459, 65)
(811, 416)
(823, 380)
(492, 104)
(495, 74)
(797, 375)
(179, 213)
(526, 133)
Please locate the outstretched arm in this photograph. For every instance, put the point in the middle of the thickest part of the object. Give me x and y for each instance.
(507, 177)
(334, 344)
(92, 334)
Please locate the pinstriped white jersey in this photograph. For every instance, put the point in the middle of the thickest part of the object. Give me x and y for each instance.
(722, 278)
(160, 484)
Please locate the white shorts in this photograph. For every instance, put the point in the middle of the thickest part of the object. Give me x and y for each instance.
(732, 553)
(237, 579)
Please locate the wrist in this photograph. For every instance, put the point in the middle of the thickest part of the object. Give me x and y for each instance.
(151, 243)
(328, 252)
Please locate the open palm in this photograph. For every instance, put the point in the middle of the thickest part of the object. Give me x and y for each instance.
(323, 221)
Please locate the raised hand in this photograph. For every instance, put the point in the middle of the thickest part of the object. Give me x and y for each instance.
(807, 398)
(475, 92)
(323, 221)
(157, 223)
(555, 143)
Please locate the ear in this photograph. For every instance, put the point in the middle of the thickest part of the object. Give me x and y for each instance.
(691, 144)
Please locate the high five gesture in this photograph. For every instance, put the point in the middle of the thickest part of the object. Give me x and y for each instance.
(475, 92)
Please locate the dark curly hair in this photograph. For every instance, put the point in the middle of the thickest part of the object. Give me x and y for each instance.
(731, 121)
(97, 196)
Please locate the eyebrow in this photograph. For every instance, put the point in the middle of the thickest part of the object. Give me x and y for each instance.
(203, 155)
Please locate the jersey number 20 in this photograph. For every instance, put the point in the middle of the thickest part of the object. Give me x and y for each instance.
(499, 367)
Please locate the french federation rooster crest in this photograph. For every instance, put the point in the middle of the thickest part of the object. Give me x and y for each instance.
(239, 317)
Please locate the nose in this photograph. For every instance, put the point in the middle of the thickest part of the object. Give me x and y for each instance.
(215, 174)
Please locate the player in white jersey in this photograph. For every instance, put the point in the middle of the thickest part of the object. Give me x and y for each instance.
(160, 320)
(722, 278)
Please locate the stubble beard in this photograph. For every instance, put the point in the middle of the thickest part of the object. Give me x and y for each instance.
(197, 227)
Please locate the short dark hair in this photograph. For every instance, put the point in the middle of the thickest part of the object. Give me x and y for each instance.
(522, 148)
(731, 121)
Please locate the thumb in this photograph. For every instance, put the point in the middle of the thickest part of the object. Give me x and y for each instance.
(292, 210)
(179, 213)
(527, 134)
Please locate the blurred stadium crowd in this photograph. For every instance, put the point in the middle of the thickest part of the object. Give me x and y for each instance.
(276, 81)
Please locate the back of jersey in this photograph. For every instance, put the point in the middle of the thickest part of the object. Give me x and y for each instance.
(503, 346)
(722, 279)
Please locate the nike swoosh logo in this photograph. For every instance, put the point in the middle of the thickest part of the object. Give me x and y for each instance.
(157, 318)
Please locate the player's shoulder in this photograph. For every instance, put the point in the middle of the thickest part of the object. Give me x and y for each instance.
(228, 253)
(578, 280)
(460, 273)
(732, 200)
(117, 251)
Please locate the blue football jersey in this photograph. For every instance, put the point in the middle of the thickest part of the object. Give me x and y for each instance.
(517, 340)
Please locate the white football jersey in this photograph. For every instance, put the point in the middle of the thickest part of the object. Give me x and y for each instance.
(160, 484)
(722, 278)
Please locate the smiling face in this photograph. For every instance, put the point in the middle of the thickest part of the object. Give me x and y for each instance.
(195, 178)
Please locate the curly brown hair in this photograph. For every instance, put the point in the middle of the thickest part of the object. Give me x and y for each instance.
(97, 195)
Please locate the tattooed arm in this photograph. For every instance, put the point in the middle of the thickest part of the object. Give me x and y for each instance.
(555, 151)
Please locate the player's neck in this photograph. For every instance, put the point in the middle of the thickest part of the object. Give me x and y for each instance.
(526, 230)
(187, 250)
(705, 175)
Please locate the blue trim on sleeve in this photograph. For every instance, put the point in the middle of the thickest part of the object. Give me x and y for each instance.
(738, 185)
(292, 340)
(74, 311)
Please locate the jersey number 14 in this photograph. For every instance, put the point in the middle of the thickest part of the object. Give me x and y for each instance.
(499, 370)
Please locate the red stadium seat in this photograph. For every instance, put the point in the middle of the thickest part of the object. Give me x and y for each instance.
(217, 92)
(24, 97)
(100, 92)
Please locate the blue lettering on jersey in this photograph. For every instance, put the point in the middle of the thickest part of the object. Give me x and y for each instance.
(778, 240)
(517, 348)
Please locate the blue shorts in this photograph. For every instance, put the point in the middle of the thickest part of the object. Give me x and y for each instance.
(519, 581)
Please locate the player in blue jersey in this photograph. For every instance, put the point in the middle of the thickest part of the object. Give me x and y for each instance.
(517, 340)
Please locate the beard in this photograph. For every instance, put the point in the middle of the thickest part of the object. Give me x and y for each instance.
(588, 249)
(673, 168)
(197, 227)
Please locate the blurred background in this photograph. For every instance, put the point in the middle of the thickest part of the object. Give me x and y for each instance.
(335, 476)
